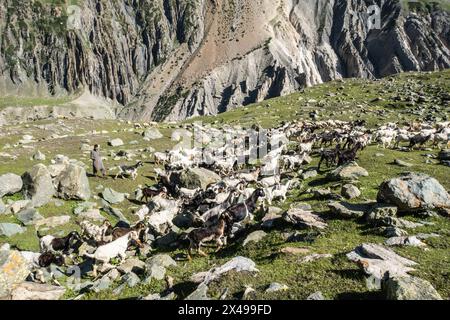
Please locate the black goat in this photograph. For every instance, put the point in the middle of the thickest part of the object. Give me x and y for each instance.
(240, 211)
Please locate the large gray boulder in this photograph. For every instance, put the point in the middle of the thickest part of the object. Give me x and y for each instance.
(410, 288)
(350, 171)
(10, 183)
(304, 218)
(38, 185)
(412, 191)
(13, 271)
(73, 184)
(193, 178)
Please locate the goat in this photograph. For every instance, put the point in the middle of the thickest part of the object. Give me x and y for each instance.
(329, 156)
(122, 231)
(129, 170)
(241, 211)
(347, 156)
(64, 244)
(215, 232)
(48, 258)
(114, 249)
(419, 139)
(150, 193)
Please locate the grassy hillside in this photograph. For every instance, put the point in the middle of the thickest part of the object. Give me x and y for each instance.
(402, 98)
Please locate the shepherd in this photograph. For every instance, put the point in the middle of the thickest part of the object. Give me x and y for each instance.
(97, 162)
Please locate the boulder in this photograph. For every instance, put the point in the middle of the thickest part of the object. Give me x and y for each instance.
(193, 178)
(37, 291)
(347, 210)
(115, 142)
(163, 260)
(298, 216)
(255, 236)
(56, 169)
(132, 265)
(10, 184)
(402, 163)
(38, 185)
(379, 212)
(39, 156)
(294, 251)
(350, 171)
(29, 216)
(316, 296)
(53, 222)
(275, 287)
(16, 206)
(73, 184)
(238, 264)
(411, 241)
(380, 262)
(13, 271)
(152, 134)
(10, 229)
(114, 212)
(409, 288)
(113, 197)
(414, 191)
(350, 191)
(201, 293)
(314, 257)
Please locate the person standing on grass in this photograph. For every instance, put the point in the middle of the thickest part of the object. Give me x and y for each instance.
(97, 162)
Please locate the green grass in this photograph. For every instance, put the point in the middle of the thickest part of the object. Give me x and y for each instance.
(337, 277)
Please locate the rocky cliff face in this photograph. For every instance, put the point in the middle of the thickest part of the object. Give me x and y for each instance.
(173, 59)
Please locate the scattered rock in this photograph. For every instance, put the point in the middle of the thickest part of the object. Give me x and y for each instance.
(201, 293)
(347, 210)
(294, 251)
(302, 217)
(405, 241)
(73, 183)
(409, 288)
(350, 191)
(10, 184)
(13, 271)
(115, 142)
(10, 229)
(414, 191)
(316, 296)
(92, 214)
(402, 163)
(444, 155)
(255, 236)
(114, 212)
(38, 185)
(2, 207)
(275, 287)
(29, 216)
(39, 156)
(308, 174)
(53, 222)
(132, 265)
(238, 264)
(113, 197)
(379, 212)
(350, 171)
(37, 291)
(19, 205)
(193, 178)
(313, 257)
(152, 134)
(380, 262)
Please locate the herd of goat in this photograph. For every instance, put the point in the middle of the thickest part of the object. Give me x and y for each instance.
(219, 211)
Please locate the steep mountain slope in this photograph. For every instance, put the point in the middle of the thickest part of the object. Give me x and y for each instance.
(173, 59)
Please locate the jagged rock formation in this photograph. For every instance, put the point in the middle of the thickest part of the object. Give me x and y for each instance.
(173, 59)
